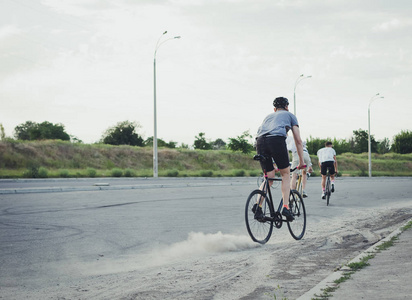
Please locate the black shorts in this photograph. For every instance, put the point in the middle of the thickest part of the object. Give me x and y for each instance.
(275, 148)
(327, 165)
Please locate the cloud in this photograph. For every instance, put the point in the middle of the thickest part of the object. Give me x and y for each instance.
(388, 26)
(9, 31)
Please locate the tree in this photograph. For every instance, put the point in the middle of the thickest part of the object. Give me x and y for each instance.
(361, 142)
(241, 143)
(160, 143)
(2, 133)
(201, 143)
(124, 133)
(314, 144)
(219, 144)
(384, 146)
(43, 131)
(402, 142)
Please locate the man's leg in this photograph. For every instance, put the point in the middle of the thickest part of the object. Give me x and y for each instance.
(332, 178)
(257, 208)
(285, 173)
(293, 181)
(304, 178)
(323, 186)
(271, 174)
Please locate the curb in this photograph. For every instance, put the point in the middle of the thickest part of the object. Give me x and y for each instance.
(98, 187)
(329, 281)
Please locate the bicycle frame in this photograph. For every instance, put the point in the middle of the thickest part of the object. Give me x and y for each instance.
(299, 185)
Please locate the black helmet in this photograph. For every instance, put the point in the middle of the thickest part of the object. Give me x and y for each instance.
(280, 102)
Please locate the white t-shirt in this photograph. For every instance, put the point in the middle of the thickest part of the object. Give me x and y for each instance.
(290, 142)
(326, 154)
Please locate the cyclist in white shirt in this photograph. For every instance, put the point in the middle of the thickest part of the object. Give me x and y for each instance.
(295, 162)
(327, 160)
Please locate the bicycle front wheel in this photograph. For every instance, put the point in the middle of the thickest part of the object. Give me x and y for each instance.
(298, 226)
(259, 231)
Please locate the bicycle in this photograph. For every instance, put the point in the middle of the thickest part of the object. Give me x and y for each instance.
(299, 184)
(261, 230)
(261, 178)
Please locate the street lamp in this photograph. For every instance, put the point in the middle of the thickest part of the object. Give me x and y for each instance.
(155, 161)
(300, 78)
(369, 131)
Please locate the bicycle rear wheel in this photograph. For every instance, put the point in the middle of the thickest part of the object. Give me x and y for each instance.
(298, 226)
(259, 231)
(327, 191)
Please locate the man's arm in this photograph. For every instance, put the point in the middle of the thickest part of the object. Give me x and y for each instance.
(335, 163)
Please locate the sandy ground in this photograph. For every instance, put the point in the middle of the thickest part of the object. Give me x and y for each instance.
(219, 266)
(216, 265)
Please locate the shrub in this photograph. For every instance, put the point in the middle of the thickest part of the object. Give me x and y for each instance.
(116, 172)
(207, 173)
(239, 173)
(254, 173)
(129, 173)
(402, 142)
(91, 172)
(43, 173)
(32, 171)
(64, 173)
(172, 173)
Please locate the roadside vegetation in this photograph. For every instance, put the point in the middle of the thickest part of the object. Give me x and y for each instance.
(64, 159)
(42, 150)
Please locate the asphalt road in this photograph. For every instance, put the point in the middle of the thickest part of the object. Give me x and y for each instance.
(126, 243)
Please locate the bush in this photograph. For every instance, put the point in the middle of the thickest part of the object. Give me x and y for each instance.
(239, 173)
(254, 173)
(402, 142)
(129, 173)
(207, 173)
(91, 172)
(172, 173)
(116, 172)
(43, 173)
(64, 173)
(32, 171)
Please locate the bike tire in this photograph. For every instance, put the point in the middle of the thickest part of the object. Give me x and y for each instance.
(259, 231)
(297, 227)
(327, 191)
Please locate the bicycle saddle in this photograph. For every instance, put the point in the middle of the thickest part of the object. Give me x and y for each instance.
(259, 157)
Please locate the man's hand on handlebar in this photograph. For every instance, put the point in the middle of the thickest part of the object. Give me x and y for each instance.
(301, 166)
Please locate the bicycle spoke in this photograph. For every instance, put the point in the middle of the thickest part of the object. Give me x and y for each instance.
(297, 227)
(259, 231)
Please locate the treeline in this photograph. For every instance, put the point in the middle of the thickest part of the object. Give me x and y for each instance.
(126, 133)
(358, 143)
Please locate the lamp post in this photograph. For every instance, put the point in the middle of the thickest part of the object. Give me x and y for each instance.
(369, 132)
(155, 160)
(300, 78)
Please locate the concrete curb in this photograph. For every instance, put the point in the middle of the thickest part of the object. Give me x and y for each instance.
(108, 187)
(329, 281)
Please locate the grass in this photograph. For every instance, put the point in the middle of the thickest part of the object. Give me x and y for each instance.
(23, 159)
(407, 226)
(387, 244)
(356, 266)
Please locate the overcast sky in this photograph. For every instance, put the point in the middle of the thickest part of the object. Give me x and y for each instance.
(88, 64)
